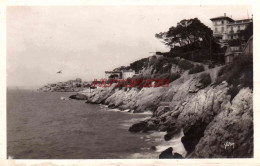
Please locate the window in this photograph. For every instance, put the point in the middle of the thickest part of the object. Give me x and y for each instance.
(216, 30)
(231, 30)
(215, 22)
(222, 29)
(222, 22)
(238, 27)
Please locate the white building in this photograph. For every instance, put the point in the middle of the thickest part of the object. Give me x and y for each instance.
(234, 28)
(220, 26)
(225, 28)
(128, 74)
(119, 74)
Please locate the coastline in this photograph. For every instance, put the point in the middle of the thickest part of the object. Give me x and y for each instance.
(200, 111)
(156, 136)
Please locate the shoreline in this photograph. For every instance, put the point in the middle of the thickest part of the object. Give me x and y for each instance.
(163, 146)
(202, 110)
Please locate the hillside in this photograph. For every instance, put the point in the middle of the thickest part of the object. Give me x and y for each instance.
(213, 106)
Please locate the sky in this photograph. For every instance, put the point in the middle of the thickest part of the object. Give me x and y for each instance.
(85, 41)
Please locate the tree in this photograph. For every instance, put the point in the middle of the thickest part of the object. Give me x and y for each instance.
(247, 33)
(187, 32)
(113, 76)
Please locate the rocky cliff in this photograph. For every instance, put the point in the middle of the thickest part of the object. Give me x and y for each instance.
(215, 125)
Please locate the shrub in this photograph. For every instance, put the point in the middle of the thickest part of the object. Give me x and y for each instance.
(211, 66)
(140, 64)
(110, 80)
(174, 76)
(196, 69)
(174, 60)
(221, 72)
(161, 76)
(205, 79)
(185, 64)
(120, 85)
(165, 68)
(240, 72)
(233, 91)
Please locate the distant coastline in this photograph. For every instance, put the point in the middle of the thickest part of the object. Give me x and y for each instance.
(68, 86)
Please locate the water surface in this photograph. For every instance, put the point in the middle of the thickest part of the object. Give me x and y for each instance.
(41, 126)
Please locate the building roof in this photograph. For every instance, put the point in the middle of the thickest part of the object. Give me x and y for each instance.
(235, 23)
(249, 19)
(113, 72)
(128, 71)
(221, 18)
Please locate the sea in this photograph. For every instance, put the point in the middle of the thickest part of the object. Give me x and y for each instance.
(42, 126)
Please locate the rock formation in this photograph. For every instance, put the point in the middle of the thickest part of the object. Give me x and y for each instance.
(214, 126)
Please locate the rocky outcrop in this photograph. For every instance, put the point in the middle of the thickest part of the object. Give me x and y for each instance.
(213, 125)
(230, 133)
(167, 154)
(78, 97)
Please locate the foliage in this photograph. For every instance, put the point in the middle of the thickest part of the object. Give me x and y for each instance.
(211, 66)
(185, 64)
(139, 65)
(233, 91)
(122, 68)
(240, 72)
(120, 85)
(136, 66)
(247, 33)
(196, 69)
(174, 76)
(185, 33)
(205, 79)
(234, 42)
(113, 76)
(110, 80)
(162, 65)
(191, 40)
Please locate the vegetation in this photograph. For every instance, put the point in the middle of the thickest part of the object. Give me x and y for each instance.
(205, 79)
(185, 64)
(174, 76)
(234, 42)
(196, 69)
(233, 91)
(185, 33)
(211, 66)
(247, 33)
(239, 74)
(170, 76)
(192, 40)
(122, 68)
(113, 76)
(140, 64)
(120, 85)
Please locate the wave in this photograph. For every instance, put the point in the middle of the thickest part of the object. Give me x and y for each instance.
(146, 113)
(175, 143)
(144, 155)
(114, 110)
(135, 120)
(130, 122)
